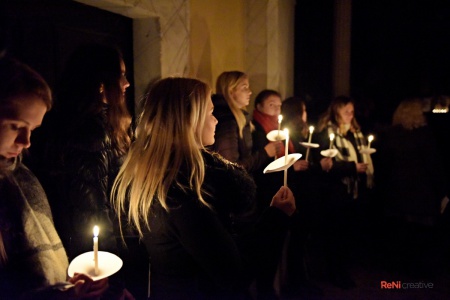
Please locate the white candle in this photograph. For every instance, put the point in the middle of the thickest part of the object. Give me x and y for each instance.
(280, 118)
(96, 231)
(286, 147)
(331, 139)
(370, 138)
(311, 130)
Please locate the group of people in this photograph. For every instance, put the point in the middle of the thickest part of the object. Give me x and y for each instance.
(331, 192)
(186, 182)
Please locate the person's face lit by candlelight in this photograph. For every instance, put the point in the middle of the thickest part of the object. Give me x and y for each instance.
(209, 126)
(241, 93)
(270, 106)
(304, 114)
(346, 114)
(20, 119)
(124, 84)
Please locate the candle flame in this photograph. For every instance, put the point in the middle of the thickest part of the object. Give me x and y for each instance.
(370, 138)
(96, 230)
(331, 136)
(311, 129)
(280, 118)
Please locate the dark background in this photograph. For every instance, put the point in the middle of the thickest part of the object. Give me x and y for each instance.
(399, 49)
(43, 33)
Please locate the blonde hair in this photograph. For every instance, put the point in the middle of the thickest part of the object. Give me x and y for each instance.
(225, 85)
(409, 114)
(3, 256)
(168, 138)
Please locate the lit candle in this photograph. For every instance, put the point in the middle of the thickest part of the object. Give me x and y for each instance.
(280, 118)
(96, 231)
(370, 138)
(311, 130)
(286, 147)
(331, 139)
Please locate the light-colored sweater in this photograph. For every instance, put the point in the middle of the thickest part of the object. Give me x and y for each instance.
(35, 255)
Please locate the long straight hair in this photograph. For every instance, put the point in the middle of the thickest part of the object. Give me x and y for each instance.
(93, 71)
(225, 85)
(168, 138)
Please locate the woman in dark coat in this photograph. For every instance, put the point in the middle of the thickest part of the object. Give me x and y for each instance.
(350, 182)
(233, 133)
(182, 199)
(307, 183)
(265, 119)
(80, 148)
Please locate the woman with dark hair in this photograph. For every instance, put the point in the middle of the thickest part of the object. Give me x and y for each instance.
(265, 119)
(306, 184)
(33, 261)
(82, 145)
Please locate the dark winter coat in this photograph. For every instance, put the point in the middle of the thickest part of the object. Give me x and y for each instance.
(195, 253)
(411, 179)
(228, 142)
(80, 167)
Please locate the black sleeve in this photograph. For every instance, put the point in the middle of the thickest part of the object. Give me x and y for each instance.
(87, 185)
(205, 238)
(227, 139)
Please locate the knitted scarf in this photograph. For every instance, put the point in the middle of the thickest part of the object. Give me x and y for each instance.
(37, 243)
(347, 152)
(270, 123)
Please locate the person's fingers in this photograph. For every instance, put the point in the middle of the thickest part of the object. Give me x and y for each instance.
(126, 295)
(81, 287)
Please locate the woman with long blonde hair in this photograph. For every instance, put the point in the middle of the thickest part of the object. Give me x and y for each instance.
(233, 133)
(181, 199)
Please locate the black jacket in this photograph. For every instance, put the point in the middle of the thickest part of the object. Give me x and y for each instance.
(228, 142)
(195, 253)
(77, 165)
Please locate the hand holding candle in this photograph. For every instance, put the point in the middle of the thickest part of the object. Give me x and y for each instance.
(370, 139)
(286, 147)
(331, 140)
(96, 231)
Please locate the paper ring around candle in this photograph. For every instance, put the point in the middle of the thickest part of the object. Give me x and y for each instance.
(108, 264)
(309, 145)
(329, 152)
(368, 151)
(280, 164)
(276, 135)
